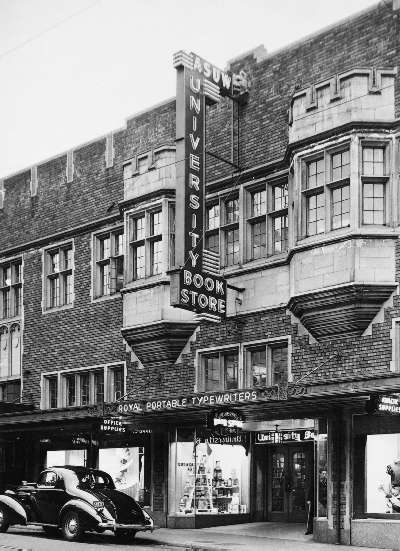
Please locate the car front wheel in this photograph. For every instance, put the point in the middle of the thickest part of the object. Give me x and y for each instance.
(4, 523)
(71, 526)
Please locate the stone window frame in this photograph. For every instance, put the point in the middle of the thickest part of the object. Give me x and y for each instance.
(46, 275)
(13, 288)
(111, 260)
(61, 376)
(243, 349)
(167, 236)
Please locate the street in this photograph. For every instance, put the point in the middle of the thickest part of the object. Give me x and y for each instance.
(229, 538)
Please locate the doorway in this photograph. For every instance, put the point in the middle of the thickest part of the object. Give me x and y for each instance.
(290, 476)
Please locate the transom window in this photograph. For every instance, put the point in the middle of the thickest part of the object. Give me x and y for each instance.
(10, 289)
(84, 387)
(373, 161)
(315, 173)
(59, 276)
(340, 165)
(109, 276)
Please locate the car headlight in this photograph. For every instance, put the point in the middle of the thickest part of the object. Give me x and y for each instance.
(146, 515)
(98, 505)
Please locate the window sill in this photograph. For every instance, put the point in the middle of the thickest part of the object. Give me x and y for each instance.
(151, 281)
(10, 320)
(105, 298)
(58, 309)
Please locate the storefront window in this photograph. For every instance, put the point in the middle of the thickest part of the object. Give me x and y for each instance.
(207, 478)
(58, 458)
(382, 456)
(126, 467)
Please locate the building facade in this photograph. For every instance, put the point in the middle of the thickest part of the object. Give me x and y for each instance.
(293, 397)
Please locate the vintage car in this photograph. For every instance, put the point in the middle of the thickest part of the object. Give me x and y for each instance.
(73, 500)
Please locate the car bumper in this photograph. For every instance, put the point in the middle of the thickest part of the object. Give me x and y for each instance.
(117, 526)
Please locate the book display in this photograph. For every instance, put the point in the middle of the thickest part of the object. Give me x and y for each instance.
(212, 486)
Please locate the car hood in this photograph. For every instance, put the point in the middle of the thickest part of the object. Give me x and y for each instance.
(122, 507)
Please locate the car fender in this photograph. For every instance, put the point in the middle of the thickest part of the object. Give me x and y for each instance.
(83, 507)
(17, 512)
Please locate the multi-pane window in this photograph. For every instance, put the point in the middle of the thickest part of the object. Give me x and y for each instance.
(267, 220)
(315, 173)
(279, 218)
(59, 276)
(109, 263)
(315, 197)
(10, 289)
(316, 214)
(264, 365)
(373, 203)
(220, 371)
(212, 228)
(340, 207)
(10, 350)
(146, 244)
(267, 364)
(340, 165)
(84, 387)
(230, 231)
(374, 180)
(373, 161)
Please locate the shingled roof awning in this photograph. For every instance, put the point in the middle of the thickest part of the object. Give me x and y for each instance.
(13, 407)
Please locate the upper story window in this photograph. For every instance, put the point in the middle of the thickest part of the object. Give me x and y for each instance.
(212, 227)
(220, 371)
(374, 180)
(10, 350)
(147, 247)
(109, 268)
(264, 364)
(267, 220)
(84, 387)
(222, 229)
(326, 191)
(11, 289)
(58, 265)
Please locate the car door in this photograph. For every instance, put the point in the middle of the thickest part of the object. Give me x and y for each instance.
(50, 497)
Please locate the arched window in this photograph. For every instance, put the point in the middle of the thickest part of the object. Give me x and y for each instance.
(3, 351)
(15, 352)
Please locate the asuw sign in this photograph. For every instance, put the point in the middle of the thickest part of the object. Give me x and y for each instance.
(193, 286)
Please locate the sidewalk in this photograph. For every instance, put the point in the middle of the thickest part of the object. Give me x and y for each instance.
(257, 536)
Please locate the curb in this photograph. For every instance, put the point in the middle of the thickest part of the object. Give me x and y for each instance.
(11, 548)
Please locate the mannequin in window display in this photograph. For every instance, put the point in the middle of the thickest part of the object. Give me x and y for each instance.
(392, 488)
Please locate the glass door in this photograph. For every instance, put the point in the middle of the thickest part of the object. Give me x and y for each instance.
(289, 478)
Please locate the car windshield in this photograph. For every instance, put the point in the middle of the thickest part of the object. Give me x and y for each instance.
(94, 479)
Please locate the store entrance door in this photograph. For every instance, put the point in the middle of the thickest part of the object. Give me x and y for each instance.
(290, 472)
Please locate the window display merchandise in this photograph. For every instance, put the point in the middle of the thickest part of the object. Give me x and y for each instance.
(126, 467)
(209, 479)
(383, 473)
(56, 458)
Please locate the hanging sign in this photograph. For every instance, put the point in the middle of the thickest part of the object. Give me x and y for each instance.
(283, 436)
(228, 419)
(112, 425)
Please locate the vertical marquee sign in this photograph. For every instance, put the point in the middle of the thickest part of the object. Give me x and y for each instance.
(198, 83)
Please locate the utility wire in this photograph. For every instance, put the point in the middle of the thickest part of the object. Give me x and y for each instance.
(38, 35)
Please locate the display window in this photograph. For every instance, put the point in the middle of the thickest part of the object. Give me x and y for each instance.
(207, 478)
(126, 467)
(376, 460)
(58, 458)
(321, 437)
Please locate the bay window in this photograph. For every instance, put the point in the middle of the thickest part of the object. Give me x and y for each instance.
(109, 263)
